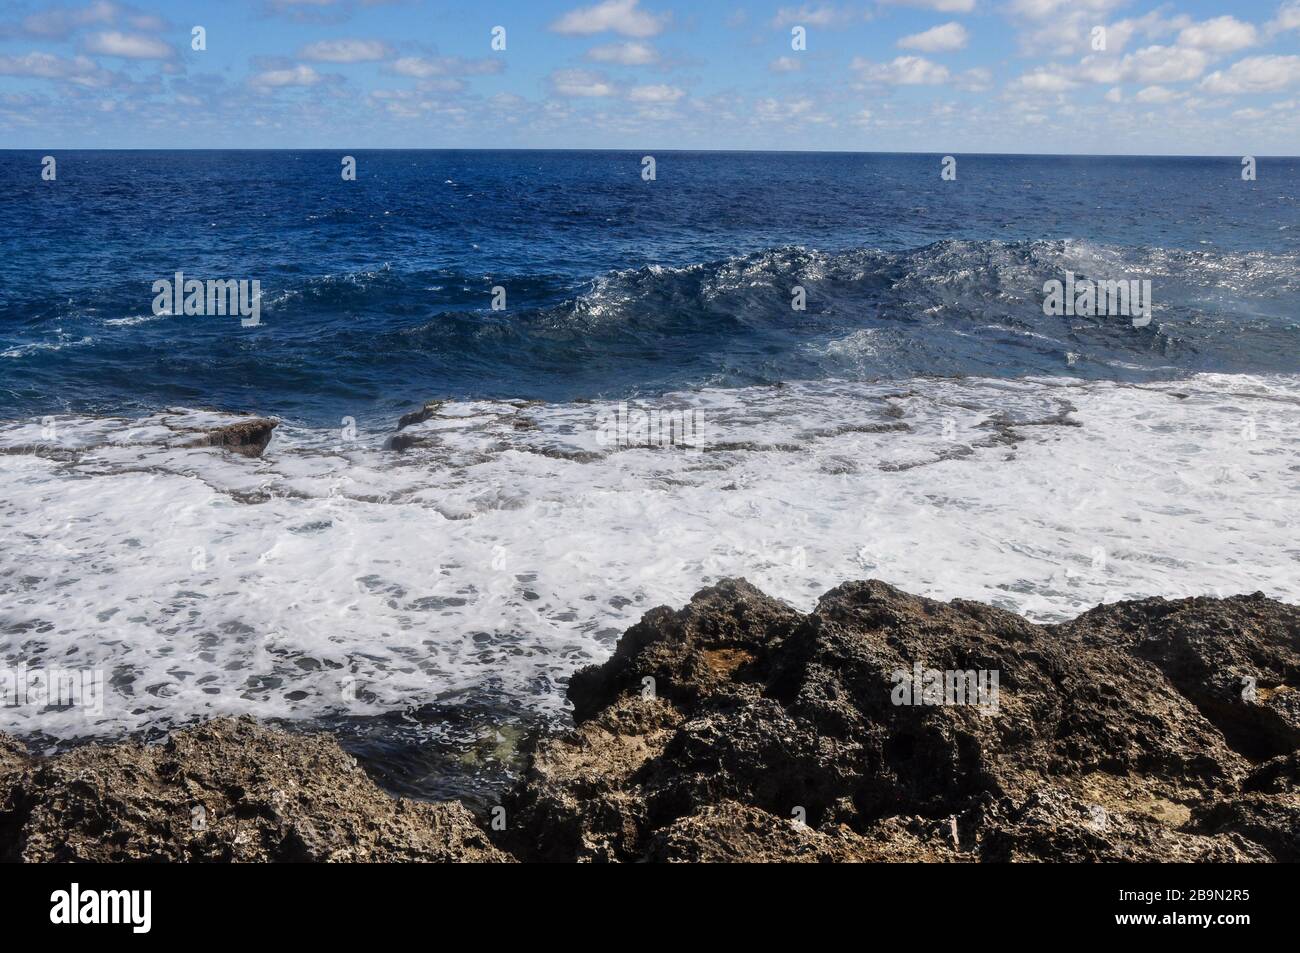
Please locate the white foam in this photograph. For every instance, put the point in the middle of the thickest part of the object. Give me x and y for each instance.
(513, 547)
(134, 319)
(65, 340)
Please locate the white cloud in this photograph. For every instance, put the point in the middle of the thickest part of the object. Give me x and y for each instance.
(812, 14)
(1152, 65)
(147, 22)
(611, 16)
(419, 67)
(976, 80)
(630, 53)
(903, 71)
(1151, 26)
(81, 70)
(1255, 74)
(1288, 18)
(1101, 69)
(785, 64)
(345, 51)
(1219, 35)
(131, 46)
(941, 6)
(1164, 64)
(940, 39)
(1169, 64)
(1045, 9)
(577, 82)
(300, 9)
(1156, 95)
(59, 22)
(1042, 80)
(655, 94)
(299, 75)
(777, 110)
(1065, 27)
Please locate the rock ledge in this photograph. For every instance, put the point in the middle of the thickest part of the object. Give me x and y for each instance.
(738, 729)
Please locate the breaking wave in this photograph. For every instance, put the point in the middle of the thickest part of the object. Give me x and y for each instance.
(367, 342)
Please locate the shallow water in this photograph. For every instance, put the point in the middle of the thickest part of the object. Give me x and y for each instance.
(334, 577)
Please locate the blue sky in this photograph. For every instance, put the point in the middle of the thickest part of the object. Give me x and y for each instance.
(1184, 77)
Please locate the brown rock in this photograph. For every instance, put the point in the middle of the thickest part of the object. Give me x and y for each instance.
(427, 412)
(1265, 809)
(226, 790)
(737, 729)
(711, 727)
(13, 757)
(1237, 659)
(247, 437)
(734, 833)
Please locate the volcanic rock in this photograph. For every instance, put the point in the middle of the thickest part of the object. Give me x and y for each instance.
(881, 726)
(737, 728)
(226, 790)
(246, 437)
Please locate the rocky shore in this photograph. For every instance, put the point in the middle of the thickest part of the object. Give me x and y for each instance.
(737, 729)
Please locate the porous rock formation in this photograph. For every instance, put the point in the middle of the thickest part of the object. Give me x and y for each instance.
(738, 729)
(226, 790)
(245, 437)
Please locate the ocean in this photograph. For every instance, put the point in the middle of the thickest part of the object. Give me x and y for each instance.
(864, 346)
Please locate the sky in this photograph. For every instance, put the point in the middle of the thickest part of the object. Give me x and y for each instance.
(1191, 77)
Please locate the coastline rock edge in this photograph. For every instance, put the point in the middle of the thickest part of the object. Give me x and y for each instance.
(739, 729)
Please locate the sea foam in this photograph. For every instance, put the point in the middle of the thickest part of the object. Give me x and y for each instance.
(508, 546)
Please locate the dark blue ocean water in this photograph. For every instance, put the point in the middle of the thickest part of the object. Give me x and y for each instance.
(377, 292)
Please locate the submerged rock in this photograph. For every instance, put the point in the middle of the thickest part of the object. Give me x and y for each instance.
(426, 412)
(404, 441)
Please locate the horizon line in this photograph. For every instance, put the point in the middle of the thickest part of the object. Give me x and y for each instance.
(650, 150)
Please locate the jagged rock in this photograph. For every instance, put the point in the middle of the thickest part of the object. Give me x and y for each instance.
(13, 759)
(227, 790)
(404, 441)
(1265, 809)
(427, 412)
(13, 756)
(247, 437)
(1094, 749)
(735, 833)
(1053, 824)
(687, 653)
(1237, 659)
(580, 800)
(738, 729)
